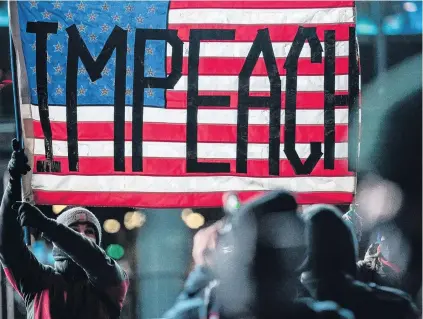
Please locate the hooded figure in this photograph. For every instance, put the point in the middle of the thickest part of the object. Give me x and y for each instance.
(329, 271)
(84, 282)
(256, 263)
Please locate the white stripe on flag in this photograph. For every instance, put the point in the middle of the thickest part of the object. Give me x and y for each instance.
(178, 149)
(241, 49)
(309, 83)
(154, 184)
(179, 116)
(258, 16)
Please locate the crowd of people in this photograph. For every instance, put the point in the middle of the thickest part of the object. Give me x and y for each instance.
(265, 259)
(269, 260)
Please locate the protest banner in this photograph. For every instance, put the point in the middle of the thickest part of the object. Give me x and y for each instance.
(173, 103)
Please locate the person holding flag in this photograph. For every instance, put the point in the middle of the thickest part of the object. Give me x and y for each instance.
(84, 282)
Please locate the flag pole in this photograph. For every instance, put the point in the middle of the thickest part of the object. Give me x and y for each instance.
(18, 123)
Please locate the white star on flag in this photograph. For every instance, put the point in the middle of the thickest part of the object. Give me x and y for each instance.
(81, 6)
(57, 4)
(34, 46)
(48, 78)
(81, 70)
(104, 28)
(105, 7)
(92, 37)
(81, 91)
(128, 92)
(34, 69)
(59, 26)
(104, 91)
(46, 15)
(81, 28)
(129, 8)
(128, 71)
(34, 4)
(150, 71)
(48, 58)
(149, 50)
(151, 9)
(139, 19)
(59, 90)
(69, 15)
(128, 28)
(58, 47)
(116, 17)
(106, 71)
(58, 69)
(150, 92)
(92, 16)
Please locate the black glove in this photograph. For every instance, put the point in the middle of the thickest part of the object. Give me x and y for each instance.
(18, 164)
(29, 215)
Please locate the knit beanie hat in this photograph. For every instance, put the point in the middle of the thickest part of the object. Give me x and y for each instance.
(80, 215)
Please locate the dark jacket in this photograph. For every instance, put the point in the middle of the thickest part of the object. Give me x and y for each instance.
(330, 270)
(94, 289)
(197, 300)
(365, 300)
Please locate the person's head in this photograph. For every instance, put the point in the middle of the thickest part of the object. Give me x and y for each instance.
(257, 257)
(82, 221)
(331, 245)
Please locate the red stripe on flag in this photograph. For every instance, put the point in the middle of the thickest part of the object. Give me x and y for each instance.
(177, 167)
(259, 4)
(104, 131)
(305, 100)
(170, 200)
(233, 66)
(278, 33)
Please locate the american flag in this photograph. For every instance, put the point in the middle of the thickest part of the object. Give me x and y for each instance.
(164, 180)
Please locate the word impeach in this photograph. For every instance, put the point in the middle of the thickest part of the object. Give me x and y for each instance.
(117, 41)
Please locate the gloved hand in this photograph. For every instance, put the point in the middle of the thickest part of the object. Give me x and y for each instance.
(18, 164)
(372, 251)
(29, 215)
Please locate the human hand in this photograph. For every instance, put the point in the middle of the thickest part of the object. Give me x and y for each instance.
(18, 164)
(204, 243)
(31, 216)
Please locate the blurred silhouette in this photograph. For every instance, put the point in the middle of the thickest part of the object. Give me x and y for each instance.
(197, 300)
(376, 266)
(257, 259)
(329, 271)
(390, 187)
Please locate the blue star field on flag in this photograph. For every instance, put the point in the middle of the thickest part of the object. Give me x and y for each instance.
(95, 21)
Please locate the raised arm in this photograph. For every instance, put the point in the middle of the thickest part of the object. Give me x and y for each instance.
(102, 271)
(22, 269)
